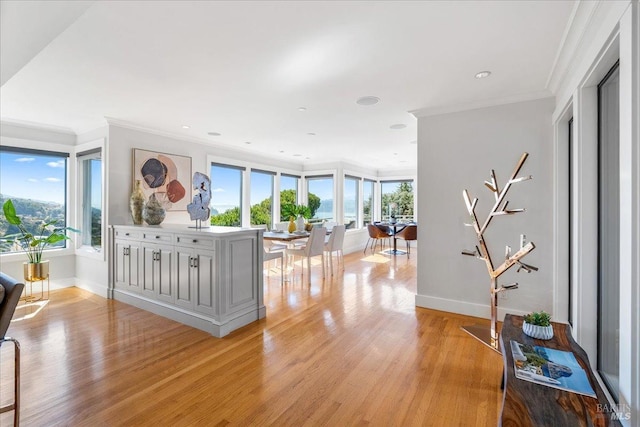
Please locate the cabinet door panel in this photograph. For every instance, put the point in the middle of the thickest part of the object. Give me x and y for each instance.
(148, 265)
(204, 281)
(133, 277)
(122, 263)
(183, 278)
(126, 266)
(164, 276)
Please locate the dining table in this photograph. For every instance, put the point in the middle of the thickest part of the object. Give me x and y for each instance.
(393, 226)
(284, 236)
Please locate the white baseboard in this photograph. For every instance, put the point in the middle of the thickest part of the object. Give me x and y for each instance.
(93, 287)
(463, 307)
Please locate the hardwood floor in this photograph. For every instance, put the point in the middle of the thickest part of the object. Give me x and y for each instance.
(349, 350)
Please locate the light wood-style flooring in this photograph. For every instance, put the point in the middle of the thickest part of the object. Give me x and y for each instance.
(349, 350)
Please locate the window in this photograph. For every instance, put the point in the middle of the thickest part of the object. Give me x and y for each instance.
(261, 197)
(288, 192)
(35, 181)
(90, 164)
(397, 200)
(350, 201)
(226, 195)
(367, 202)
(609, 230)
(320, 197)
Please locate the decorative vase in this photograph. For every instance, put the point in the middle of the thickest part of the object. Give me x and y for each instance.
(136, 203)
(300, 223)
(539, 332)
(292, 225)
(34, 271)
(153, 213)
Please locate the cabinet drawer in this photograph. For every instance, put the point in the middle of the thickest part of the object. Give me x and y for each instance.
(194, 241)
(151, 236)
(128, 234)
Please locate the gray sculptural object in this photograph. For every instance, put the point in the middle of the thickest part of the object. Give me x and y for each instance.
(199, 208)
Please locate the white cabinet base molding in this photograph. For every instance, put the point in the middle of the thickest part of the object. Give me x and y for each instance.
(209, 278)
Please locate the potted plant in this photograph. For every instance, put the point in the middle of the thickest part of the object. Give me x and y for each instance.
(538, 325)
(33, 244)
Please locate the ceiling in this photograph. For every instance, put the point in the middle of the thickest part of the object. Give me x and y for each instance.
(243, 69)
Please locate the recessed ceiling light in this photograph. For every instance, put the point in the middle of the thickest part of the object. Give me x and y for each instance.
(483, 74)
(297, 155)
(311, 133)
(395, 154)
(307, 158)
(368, 100)
(398, 126)
(248, 142)
(281, 151)
(302, 108)
(214, 133)
(413, 142)
(186, 127)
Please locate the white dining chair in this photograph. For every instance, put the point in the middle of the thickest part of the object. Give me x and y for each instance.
(335, 244)
(314, 247)
(271, 255)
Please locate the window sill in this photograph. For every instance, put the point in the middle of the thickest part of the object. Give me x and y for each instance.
(90, 252)
(47, 254)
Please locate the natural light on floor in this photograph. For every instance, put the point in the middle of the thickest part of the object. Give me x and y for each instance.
(28, 310)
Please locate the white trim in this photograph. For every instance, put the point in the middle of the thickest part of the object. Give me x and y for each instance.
(560, 218)
(463, 307)
(485, 103)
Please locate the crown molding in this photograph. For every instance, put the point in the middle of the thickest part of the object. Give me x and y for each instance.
(485, 103)
(229, 151)
(573, 38)
(6, 122)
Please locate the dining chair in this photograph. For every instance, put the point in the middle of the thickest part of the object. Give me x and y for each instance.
(11, 291)
(408, 233)
(271, 255)
(314, 247)
(376, 234)
(335, 244)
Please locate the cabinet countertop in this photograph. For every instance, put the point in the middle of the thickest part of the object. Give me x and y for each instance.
(183, 228)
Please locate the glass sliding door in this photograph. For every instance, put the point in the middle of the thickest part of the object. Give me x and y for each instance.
(609, 230)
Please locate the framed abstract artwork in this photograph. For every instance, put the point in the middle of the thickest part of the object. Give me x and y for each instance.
(168, 176)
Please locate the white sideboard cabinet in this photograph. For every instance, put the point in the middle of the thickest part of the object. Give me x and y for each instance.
(209, 278)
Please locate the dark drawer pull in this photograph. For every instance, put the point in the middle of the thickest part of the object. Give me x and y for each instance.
(195, 241)
(157, 237)
(126, 234)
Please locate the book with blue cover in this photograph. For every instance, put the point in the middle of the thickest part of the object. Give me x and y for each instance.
(550, 367)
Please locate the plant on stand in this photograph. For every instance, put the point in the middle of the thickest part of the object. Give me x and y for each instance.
(33, 244)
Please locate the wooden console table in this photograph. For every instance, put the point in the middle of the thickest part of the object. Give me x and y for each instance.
(529, 404)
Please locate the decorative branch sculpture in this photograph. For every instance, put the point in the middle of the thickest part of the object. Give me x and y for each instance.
(490, 336)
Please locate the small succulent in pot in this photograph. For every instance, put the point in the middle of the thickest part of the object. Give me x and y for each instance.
(538, 325)
(538, 318)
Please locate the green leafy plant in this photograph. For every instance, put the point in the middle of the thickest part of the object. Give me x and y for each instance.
(33, 244)
(538, 318)
(290, 210)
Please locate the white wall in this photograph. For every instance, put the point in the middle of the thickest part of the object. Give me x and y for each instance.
(456, 151)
